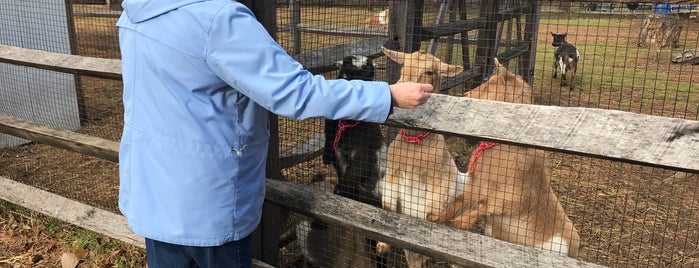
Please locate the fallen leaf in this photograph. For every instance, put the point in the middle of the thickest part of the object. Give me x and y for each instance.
(80, 253)
(68, 260)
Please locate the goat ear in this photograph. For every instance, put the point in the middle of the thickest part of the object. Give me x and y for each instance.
(448, 70)
(396, 56)
(499, 68)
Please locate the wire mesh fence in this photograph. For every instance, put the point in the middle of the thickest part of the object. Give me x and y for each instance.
(621, 55)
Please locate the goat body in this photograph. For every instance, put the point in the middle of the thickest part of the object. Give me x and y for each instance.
(421, 175)
(357, 151)
(510, 187)
(566, 59)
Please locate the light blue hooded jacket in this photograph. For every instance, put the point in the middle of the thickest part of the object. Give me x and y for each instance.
(199, 79)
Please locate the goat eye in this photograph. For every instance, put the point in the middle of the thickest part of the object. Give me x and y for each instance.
(429, 73)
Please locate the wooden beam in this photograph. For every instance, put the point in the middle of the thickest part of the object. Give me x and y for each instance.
(451, 28)
(622, 136)
(609, 134)
(97, 13)
(73, 212)
(443, 243)
(449, 82)
(514, 52)
(88, 217)
(74, 141)
(323, 60)
(74, 64)
(302, 151)
(342, 31)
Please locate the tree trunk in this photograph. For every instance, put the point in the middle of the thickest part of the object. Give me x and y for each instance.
(662, 31)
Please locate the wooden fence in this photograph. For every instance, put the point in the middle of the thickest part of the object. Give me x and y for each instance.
(609, 134)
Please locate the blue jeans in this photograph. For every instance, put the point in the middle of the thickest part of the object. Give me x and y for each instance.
(232, 254)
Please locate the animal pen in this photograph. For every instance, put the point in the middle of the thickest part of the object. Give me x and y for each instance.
(621, 148)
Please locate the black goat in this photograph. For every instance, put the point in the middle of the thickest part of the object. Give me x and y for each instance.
(566, 58)
(356, 149)
(358, 153)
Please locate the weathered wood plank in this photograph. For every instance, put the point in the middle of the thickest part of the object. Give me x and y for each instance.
(436, 240)
(451, 28)
(449, 82)
(302, 151)
(514, 52)
(66, 139)
(97, 13)
(609, 134)
(74, 64)
(79, 214)
(342, 31)
(95, 219)
(622, 136)
(323, 60)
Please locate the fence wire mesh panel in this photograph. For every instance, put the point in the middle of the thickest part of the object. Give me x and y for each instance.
(631, 56)
(74, 102)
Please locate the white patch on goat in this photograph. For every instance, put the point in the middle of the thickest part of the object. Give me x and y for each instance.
(360, 61)
(577, 54)
(357, 60)
(562, 65)
(382, 156)
(556, 245)
(458, 186)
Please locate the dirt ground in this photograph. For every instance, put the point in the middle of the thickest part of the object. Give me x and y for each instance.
(628, 215)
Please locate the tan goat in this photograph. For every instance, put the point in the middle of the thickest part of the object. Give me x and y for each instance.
(510, 187)
(421, 176)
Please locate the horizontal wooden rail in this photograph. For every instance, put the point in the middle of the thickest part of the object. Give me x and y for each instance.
(610, 134)
(443, 242)
(66, 139)
(323, 60)
(342, 31)
(74, 64)
(623, 136)
(88, 217)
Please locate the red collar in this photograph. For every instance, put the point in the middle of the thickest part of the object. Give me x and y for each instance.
(414, 139)
(481, 147)
(342, 127)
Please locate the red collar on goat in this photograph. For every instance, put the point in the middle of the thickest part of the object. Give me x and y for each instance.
(414, 139)
(340, 129)
(481, 147)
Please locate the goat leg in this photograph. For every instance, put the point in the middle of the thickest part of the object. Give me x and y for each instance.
(563, 80)
(470, 217)
(449, 212)
(572, 78)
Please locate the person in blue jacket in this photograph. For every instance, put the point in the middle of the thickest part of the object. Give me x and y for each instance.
(200, 77)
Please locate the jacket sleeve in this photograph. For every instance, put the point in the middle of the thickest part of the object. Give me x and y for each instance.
(241, 52)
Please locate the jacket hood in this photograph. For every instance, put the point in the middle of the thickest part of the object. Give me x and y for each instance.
(142, 10)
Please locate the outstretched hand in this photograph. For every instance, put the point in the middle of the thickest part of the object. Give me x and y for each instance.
(408, 95)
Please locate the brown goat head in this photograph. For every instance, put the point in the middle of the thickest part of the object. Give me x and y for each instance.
(503, 85)
(422, 67)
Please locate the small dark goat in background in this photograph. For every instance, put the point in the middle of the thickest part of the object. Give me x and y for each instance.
(566, 59)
